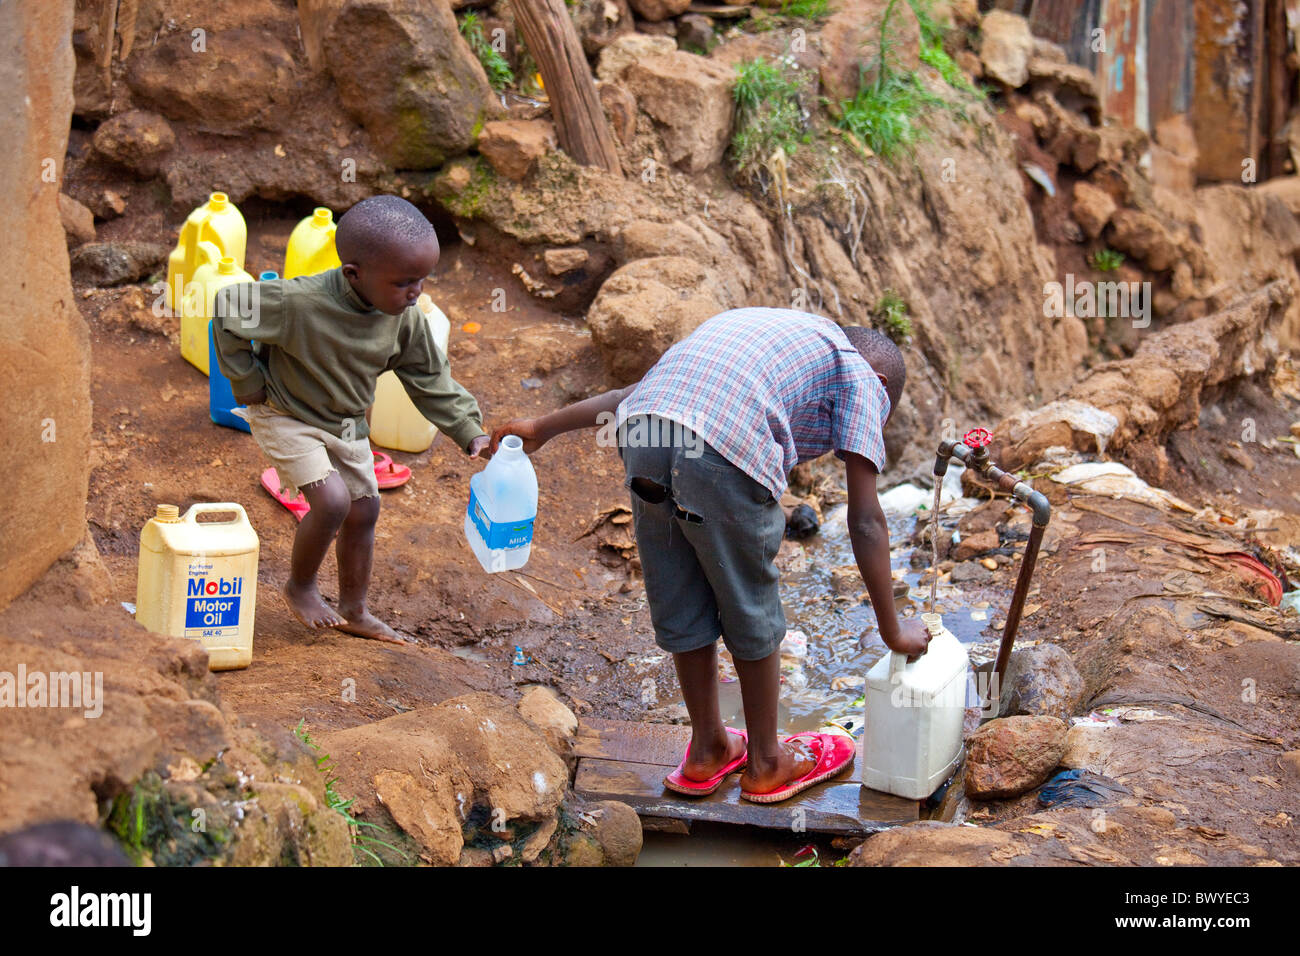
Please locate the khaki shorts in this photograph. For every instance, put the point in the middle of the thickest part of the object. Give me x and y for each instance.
(303, 454)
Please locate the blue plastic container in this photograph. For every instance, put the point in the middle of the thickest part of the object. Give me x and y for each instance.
(221, 396)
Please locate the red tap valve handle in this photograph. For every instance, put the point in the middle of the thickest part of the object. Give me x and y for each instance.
(977, 438)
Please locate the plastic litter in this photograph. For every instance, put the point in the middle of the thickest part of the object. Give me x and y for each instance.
(1291, 600)
(1113, 479)
(1080, 788)
(520, 657)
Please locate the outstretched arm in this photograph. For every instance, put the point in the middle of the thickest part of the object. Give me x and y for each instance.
(587, 413)
(869, 535)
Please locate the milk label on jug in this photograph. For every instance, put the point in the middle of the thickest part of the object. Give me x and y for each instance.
(499, 534)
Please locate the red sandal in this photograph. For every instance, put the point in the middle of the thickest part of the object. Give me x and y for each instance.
(388, 473)
(834, 753)
(678, 783)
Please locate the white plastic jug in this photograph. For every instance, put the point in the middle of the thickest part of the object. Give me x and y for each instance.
(199, 580)
(913, 715)
(502, 508)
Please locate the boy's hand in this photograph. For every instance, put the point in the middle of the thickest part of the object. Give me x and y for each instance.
(255, 399)
(525, 428)
(912, 639)
(477, 446)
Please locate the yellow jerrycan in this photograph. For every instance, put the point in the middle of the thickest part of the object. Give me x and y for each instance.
(394, 420)
(198, 579)
(197, 306)
(311, 246)
(213, 230)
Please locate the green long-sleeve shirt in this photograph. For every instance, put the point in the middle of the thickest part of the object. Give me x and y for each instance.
(321, 351)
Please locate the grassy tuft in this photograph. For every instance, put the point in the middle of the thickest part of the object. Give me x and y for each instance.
(769, 114)
(890, 316)
(1106, 260)
(498, 70)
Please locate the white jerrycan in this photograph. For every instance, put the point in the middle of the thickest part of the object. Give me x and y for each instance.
(913, 714)
(395, 422)
(502, 508)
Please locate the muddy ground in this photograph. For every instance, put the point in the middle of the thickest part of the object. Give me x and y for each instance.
(578, 611)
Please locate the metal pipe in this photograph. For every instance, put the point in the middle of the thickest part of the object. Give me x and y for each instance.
(974, 454)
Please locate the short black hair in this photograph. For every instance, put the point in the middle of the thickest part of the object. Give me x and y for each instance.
(376, 225)
(883, 355)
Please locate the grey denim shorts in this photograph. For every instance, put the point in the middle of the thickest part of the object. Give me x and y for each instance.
(708, 535)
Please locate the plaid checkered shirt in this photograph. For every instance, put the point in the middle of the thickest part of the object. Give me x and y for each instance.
(768, 388)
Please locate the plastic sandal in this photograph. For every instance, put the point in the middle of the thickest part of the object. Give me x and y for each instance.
(389, 473)
(834, 753)
(297, 506)
(678, 783)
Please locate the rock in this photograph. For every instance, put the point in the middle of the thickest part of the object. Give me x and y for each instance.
(600, 22)
(1286, 188)
(423, 100)
(689, 99)
(846, 580)
(114, 263)
(514, 146)
(136, 139)
(474, 753)
(938, 844)
(1092, 208)
(45, 514)
(628, 49)
(1005, 47)
(620, 109)
(560, 261)
(695, 33)
(618, 831)
(242, 80)
(1144, 237)
(657, 10)
(850, 42)
(1290, 764)
(107, 204)
(542, 708)
(1041, 681)
(1074, 86)
(426, 811)
(971, 572)
(974, 545)
(1011, 755)
(646, 306)
(78, 221)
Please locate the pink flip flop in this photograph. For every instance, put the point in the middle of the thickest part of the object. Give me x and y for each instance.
(297, 506)
(834, 753)
(388, 473)
(678, 783)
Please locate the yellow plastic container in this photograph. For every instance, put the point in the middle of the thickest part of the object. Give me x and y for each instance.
(311, 246)
(395, 422)
(197, 307)
(199, 580)
(214, 230)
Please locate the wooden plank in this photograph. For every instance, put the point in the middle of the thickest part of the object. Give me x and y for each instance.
(659, 744)
(841, 806)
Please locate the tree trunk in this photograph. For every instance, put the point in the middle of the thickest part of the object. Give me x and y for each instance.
(579, 120)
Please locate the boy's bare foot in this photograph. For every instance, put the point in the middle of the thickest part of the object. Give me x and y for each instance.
(793, 761)
(708, 757)
(365, 624)
(309, 607)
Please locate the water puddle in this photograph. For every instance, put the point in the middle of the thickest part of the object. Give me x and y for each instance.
(823, 678)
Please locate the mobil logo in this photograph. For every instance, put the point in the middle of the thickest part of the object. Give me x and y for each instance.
(215, 587)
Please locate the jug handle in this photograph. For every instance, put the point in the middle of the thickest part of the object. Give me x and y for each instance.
(208, 507)
(897, 663)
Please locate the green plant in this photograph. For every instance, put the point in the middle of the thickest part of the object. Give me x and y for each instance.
(363, 843)
(890, 315)
(769, 115)
(805, 9)
(933, 34)
(1106, 260)
(498, 70)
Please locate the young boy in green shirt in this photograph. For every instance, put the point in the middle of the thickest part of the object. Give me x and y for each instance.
(323, 342)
